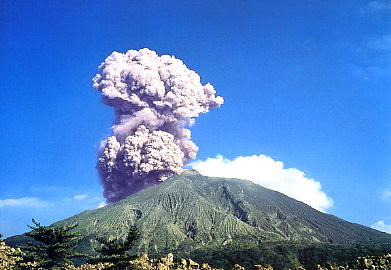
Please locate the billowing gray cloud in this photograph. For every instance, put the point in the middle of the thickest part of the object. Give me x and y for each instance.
(156, 99)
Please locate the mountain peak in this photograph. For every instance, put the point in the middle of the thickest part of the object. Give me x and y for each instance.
(190, 172)
(194, 214)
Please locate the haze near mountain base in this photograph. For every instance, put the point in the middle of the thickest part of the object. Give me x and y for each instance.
(155, 99)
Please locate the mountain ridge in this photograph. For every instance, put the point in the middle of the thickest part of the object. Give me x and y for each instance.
(192, 213)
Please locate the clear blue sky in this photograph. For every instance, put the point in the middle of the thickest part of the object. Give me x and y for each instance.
(304, 82)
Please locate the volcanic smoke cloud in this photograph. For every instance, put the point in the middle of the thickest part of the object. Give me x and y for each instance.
(155, 99)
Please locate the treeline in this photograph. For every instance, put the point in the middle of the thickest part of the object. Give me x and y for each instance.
(52, 248)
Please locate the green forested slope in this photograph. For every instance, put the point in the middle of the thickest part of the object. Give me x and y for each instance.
(195, 215)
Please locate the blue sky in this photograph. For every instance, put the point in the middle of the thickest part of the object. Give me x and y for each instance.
(304, 82)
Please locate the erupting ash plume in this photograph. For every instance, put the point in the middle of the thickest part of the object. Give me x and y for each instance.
(155, 99)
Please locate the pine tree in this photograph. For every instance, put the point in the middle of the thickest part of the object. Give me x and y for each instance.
(51, 246)
(115, 251)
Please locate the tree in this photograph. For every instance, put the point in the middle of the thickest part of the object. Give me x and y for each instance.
(51, 246)
(115, 251)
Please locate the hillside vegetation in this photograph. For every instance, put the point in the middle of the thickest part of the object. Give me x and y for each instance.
(224, 221)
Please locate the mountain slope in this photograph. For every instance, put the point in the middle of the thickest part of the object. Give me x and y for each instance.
(191, 212)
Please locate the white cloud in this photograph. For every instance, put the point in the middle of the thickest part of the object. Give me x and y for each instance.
(381, 226)
(265, 171)
(43, 188)
(102, 204)
(386, 194)
(382, 43)
(32, 202)
(80, 197)
(379, 6)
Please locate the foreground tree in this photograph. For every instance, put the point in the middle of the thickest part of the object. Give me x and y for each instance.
(116, 251)
(51, 248)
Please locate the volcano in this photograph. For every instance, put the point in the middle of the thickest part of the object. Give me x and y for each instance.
(219, 219)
